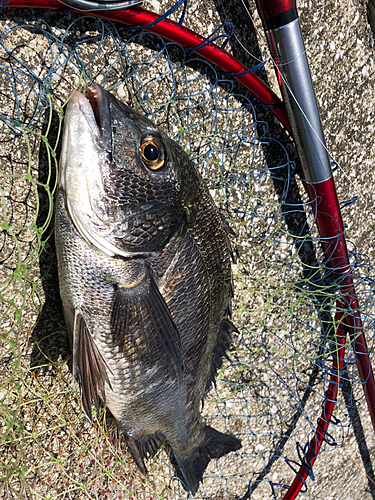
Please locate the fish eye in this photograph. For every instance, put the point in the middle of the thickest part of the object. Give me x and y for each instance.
(152, 152)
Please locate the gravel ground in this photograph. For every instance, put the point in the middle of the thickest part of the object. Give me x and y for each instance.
(47, 448)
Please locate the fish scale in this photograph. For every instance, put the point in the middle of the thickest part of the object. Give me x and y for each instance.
(145, 281)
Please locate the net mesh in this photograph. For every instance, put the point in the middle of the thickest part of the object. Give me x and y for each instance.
(270, 393)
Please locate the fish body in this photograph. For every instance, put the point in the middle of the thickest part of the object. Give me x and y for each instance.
(145, 281)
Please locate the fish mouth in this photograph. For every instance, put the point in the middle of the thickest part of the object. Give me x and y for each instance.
(94, 95)
(99, 103)
(91, 113)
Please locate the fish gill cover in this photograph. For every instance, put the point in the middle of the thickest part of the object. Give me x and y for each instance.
(270, 392)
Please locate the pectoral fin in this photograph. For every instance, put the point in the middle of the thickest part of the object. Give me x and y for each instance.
(143, 327)
(89, 367)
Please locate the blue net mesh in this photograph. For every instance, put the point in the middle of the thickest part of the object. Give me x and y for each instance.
(271, 391)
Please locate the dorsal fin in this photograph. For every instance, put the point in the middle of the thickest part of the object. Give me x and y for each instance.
(223, 343)
(229, 235)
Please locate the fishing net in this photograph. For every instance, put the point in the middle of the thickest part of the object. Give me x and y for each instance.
(271, 391)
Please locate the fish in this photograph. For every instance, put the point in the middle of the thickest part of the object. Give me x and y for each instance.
(145, 280)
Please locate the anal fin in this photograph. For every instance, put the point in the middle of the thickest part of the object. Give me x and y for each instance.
(145, 449)
(89, 367)
(135, 452)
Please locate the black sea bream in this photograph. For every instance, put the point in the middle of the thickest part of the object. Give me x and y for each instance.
(145, 280)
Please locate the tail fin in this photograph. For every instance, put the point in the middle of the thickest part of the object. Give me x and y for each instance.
(190, 470)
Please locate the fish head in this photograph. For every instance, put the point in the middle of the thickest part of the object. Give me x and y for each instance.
(124, 181)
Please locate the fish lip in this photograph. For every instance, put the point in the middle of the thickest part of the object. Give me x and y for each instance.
(99, 101)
